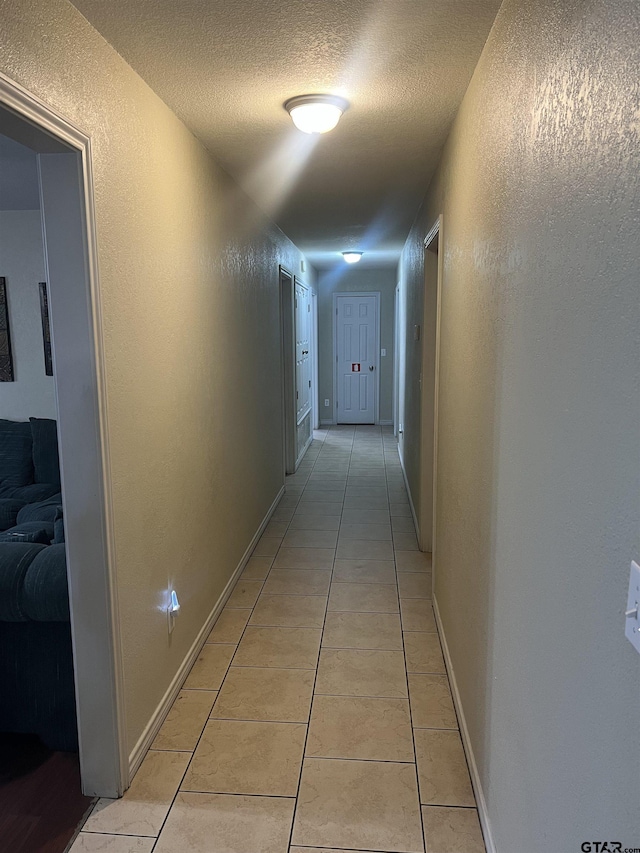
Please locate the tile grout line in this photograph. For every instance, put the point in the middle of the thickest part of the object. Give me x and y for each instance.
(315, 680)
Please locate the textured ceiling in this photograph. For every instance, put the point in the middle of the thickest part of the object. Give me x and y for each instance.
(227, 67)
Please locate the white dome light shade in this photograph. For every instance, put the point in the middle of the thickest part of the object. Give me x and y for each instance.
(352, 257)
(316, 113)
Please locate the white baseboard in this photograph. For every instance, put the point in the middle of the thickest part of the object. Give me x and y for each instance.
(326, 422)
(466, 741)
(385, 423)
(406, 483)
(304, 449)
(157, 718)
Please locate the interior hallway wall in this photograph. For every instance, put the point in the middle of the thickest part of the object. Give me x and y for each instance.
(189, 287)
(539, 469)
(346, 279)
(32, 394)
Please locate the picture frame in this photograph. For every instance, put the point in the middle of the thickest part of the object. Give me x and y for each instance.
(6, 356)
(46, 328)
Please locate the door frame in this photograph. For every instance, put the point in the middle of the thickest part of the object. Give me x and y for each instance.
(315, 403)
(67, 199)
(396, 361)
(430, 385)
(287, 358)
(376, 384)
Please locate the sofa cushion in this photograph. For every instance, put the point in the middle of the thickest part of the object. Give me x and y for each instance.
(32, 493)
(58, 528)
(46, 463)
(16, 463)
(46, 593)
(9, 509)
(31, 531)
(15, 559)
(42, 510)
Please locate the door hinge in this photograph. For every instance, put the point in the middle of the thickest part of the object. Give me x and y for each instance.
(309, 383)
(296, 395)
(308, 307)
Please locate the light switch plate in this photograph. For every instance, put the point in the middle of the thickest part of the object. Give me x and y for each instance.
(383, 352)
(632, 619)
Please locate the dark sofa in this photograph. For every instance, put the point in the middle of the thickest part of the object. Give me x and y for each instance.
(36, 658)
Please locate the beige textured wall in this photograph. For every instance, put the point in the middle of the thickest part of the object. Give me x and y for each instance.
(189, 284)
(346, 279)
(539, 468)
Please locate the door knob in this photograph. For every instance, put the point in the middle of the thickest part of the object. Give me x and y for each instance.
(371, 367)
(305, 352)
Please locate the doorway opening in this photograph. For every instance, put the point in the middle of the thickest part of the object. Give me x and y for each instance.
(429, 381)
(87, 575)
(356, 355)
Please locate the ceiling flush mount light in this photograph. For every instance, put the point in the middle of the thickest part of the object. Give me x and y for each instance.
(352, 257)
(316, 113)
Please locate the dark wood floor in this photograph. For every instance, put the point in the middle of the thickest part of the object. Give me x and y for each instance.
(40, 800)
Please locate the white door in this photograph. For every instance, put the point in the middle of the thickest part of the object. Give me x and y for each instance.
(356, 357)
(303, 347)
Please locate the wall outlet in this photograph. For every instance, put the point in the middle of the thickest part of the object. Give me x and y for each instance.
(326, 402)
(383, 352)
(632, 613)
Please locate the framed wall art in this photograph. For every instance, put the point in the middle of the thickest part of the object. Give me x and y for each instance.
(46, 328)
(6, 359)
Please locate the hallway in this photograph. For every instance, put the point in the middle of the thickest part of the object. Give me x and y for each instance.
(325, 659)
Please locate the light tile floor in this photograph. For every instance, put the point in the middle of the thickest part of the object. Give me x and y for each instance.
(318, 716)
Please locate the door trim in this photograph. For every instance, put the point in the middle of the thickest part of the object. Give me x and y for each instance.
(429, 431)
(376, 384)
(84, 438)
(287, 353)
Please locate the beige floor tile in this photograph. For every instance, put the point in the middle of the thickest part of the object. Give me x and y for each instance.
(381, 811)
(284, 648)
(401, 524)
(366, 503)
(257, 568)
(267, 546)
(326, 485)
(210, 667)
(363, 597)
(335, 496)
(297, 582)
(283, 513)
(290, 611)
(361, 549)
(417, 614)
(431, 702)
(405, 542)
(289, 499)
(224, 823)
(319, 508)
(371, 532)
(260, 693)
(362, 631)
(365, 516)
(364, 571)
(442, 769)
(229, 626)
(451, 830)
(88, 842)
(238, 757)
(276, 529)
(322, 850)
(414, 585)
(245, 594)
(360, 727)
(185, 721)
(423, 652)
(304, 558)
(301, 521)
(400, 509)
(310, 539)
(413, 561)
(143, 808)
(358, 672)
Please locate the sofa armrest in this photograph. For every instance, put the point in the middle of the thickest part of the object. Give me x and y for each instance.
(15, 560)
(46, 593)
